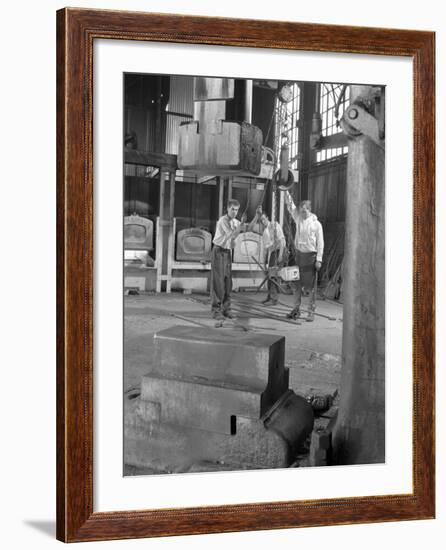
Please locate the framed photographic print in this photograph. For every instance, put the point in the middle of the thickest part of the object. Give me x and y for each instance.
(245, 275)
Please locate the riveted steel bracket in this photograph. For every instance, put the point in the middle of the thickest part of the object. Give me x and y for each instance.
(357, 121)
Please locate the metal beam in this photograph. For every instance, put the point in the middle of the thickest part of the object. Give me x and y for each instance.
(331, 142)
(165, 161)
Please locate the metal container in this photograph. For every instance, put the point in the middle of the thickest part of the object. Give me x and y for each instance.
(290, 273)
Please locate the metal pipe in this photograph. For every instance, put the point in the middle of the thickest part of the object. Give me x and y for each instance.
(248, 101)
(317, 98)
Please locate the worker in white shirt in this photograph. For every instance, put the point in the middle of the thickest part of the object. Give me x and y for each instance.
(274, 245)
(309, 249)
(228, 228)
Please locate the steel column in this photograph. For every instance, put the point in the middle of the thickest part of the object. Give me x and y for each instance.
(359, 433)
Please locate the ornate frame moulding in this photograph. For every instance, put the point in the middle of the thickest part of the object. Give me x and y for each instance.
(77, 29)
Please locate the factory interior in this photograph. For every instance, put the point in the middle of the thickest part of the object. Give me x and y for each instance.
(260, 390)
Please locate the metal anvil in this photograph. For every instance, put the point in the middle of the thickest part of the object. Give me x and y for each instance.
(213, 396)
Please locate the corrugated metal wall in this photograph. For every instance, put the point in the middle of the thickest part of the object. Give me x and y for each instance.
(141, 121)
(181, 101)
(326, 190)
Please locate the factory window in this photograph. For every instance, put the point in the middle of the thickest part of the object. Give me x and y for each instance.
(287, 124)
(330, 96)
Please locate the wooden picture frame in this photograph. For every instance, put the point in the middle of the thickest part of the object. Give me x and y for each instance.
(76, 31)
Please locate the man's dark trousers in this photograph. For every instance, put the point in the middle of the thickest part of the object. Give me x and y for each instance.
(221, 279)
(273, 291)
(307, 271)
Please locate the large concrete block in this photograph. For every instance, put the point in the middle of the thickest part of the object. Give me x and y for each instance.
(196, 404)
(251, 362)
(270, 442)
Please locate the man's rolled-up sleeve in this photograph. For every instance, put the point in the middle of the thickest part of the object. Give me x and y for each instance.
(291, 207)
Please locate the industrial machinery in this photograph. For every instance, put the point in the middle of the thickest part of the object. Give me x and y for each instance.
(212, 145)
(193, 245)
(138, 233)
(215, 400)
(138, 243)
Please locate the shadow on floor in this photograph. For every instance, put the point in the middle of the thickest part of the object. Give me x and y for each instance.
(47, 527)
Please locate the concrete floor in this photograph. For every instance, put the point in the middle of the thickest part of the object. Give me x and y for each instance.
(313, 350)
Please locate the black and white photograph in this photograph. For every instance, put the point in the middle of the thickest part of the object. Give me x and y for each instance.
(223, 265)
(254, 274)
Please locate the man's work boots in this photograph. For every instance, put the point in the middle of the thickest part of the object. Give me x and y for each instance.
(229, 314)
(294, 314)
(310, 317)
(269, 302)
